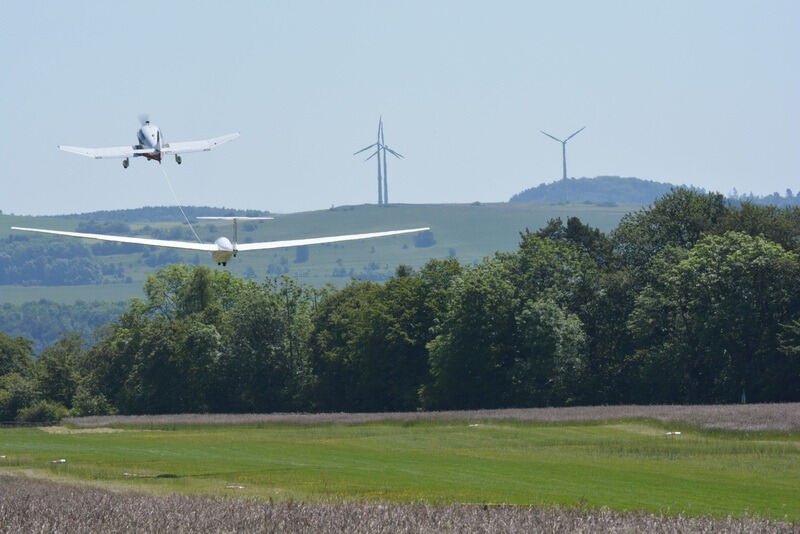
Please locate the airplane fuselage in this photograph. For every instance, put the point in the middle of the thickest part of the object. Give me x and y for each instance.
(150, 137)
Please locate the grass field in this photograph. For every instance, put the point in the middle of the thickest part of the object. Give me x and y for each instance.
(466, 231)
(623, 464)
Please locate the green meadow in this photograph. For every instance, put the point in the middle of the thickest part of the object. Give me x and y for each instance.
(468, 232)
(624, 465)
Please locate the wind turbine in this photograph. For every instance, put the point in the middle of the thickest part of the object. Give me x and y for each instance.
(563, 147)
(380, 150)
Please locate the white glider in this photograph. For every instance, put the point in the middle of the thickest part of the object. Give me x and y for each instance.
(223, 248)
(151, 146)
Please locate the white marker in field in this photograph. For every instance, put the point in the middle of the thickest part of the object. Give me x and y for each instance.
(673, 433)
(59, 461)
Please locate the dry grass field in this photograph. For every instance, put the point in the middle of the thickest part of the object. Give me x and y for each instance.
(743, 417)
(28, 505)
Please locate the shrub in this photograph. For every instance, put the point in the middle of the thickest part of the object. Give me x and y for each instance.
(42, 411)
(424, 239)
(84, 403)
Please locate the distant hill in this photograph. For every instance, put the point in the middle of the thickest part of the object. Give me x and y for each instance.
(613, 190)
(599, 190)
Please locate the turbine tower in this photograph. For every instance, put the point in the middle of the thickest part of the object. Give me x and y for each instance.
(385, 173)
(380, 150)
(377, 145)
(563, 147)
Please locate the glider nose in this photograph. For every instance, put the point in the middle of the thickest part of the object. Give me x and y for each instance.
(224, 252)
(224, 244)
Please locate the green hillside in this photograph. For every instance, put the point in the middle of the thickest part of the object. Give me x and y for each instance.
(601, 189)
(466, 231)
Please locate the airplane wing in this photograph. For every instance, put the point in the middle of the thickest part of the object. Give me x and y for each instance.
(107, 152)
(186, 245)
(197, 146)
(242, 247)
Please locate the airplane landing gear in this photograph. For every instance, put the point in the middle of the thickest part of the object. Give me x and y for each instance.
(178, 159)
(125, 163)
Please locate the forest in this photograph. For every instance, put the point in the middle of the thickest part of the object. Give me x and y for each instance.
(690, 300)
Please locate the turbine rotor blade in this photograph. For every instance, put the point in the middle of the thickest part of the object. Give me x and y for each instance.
(365, 148)
(373, 155)
(573, 135)
(390, 151)
(551, 137)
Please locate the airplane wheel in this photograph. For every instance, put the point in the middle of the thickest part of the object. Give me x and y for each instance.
(224, 263)
(178, 159)
(125, 163)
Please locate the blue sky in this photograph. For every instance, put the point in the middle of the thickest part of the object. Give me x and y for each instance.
(703, 93)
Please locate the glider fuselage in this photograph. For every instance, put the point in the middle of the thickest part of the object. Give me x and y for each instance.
(225, 249)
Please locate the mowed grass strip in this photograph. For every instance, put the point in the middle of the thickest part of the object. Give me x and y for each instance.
(624, 465)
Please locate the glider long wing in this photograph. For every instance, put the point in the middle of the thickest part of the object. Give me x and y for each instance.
(208, 247)
(186, 245)
(107, 152)
(242, 247)
(197, 146)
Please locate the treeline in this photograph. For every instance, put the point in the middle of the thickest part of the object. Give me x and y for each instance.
(43, 322)
(47, 263)
(58, 262)
(688, 301)
(775, 199)
(150, 214)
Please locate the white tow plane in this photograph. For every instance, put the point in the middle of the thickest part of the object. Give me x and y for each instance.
(151, 146)
(223, 248)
